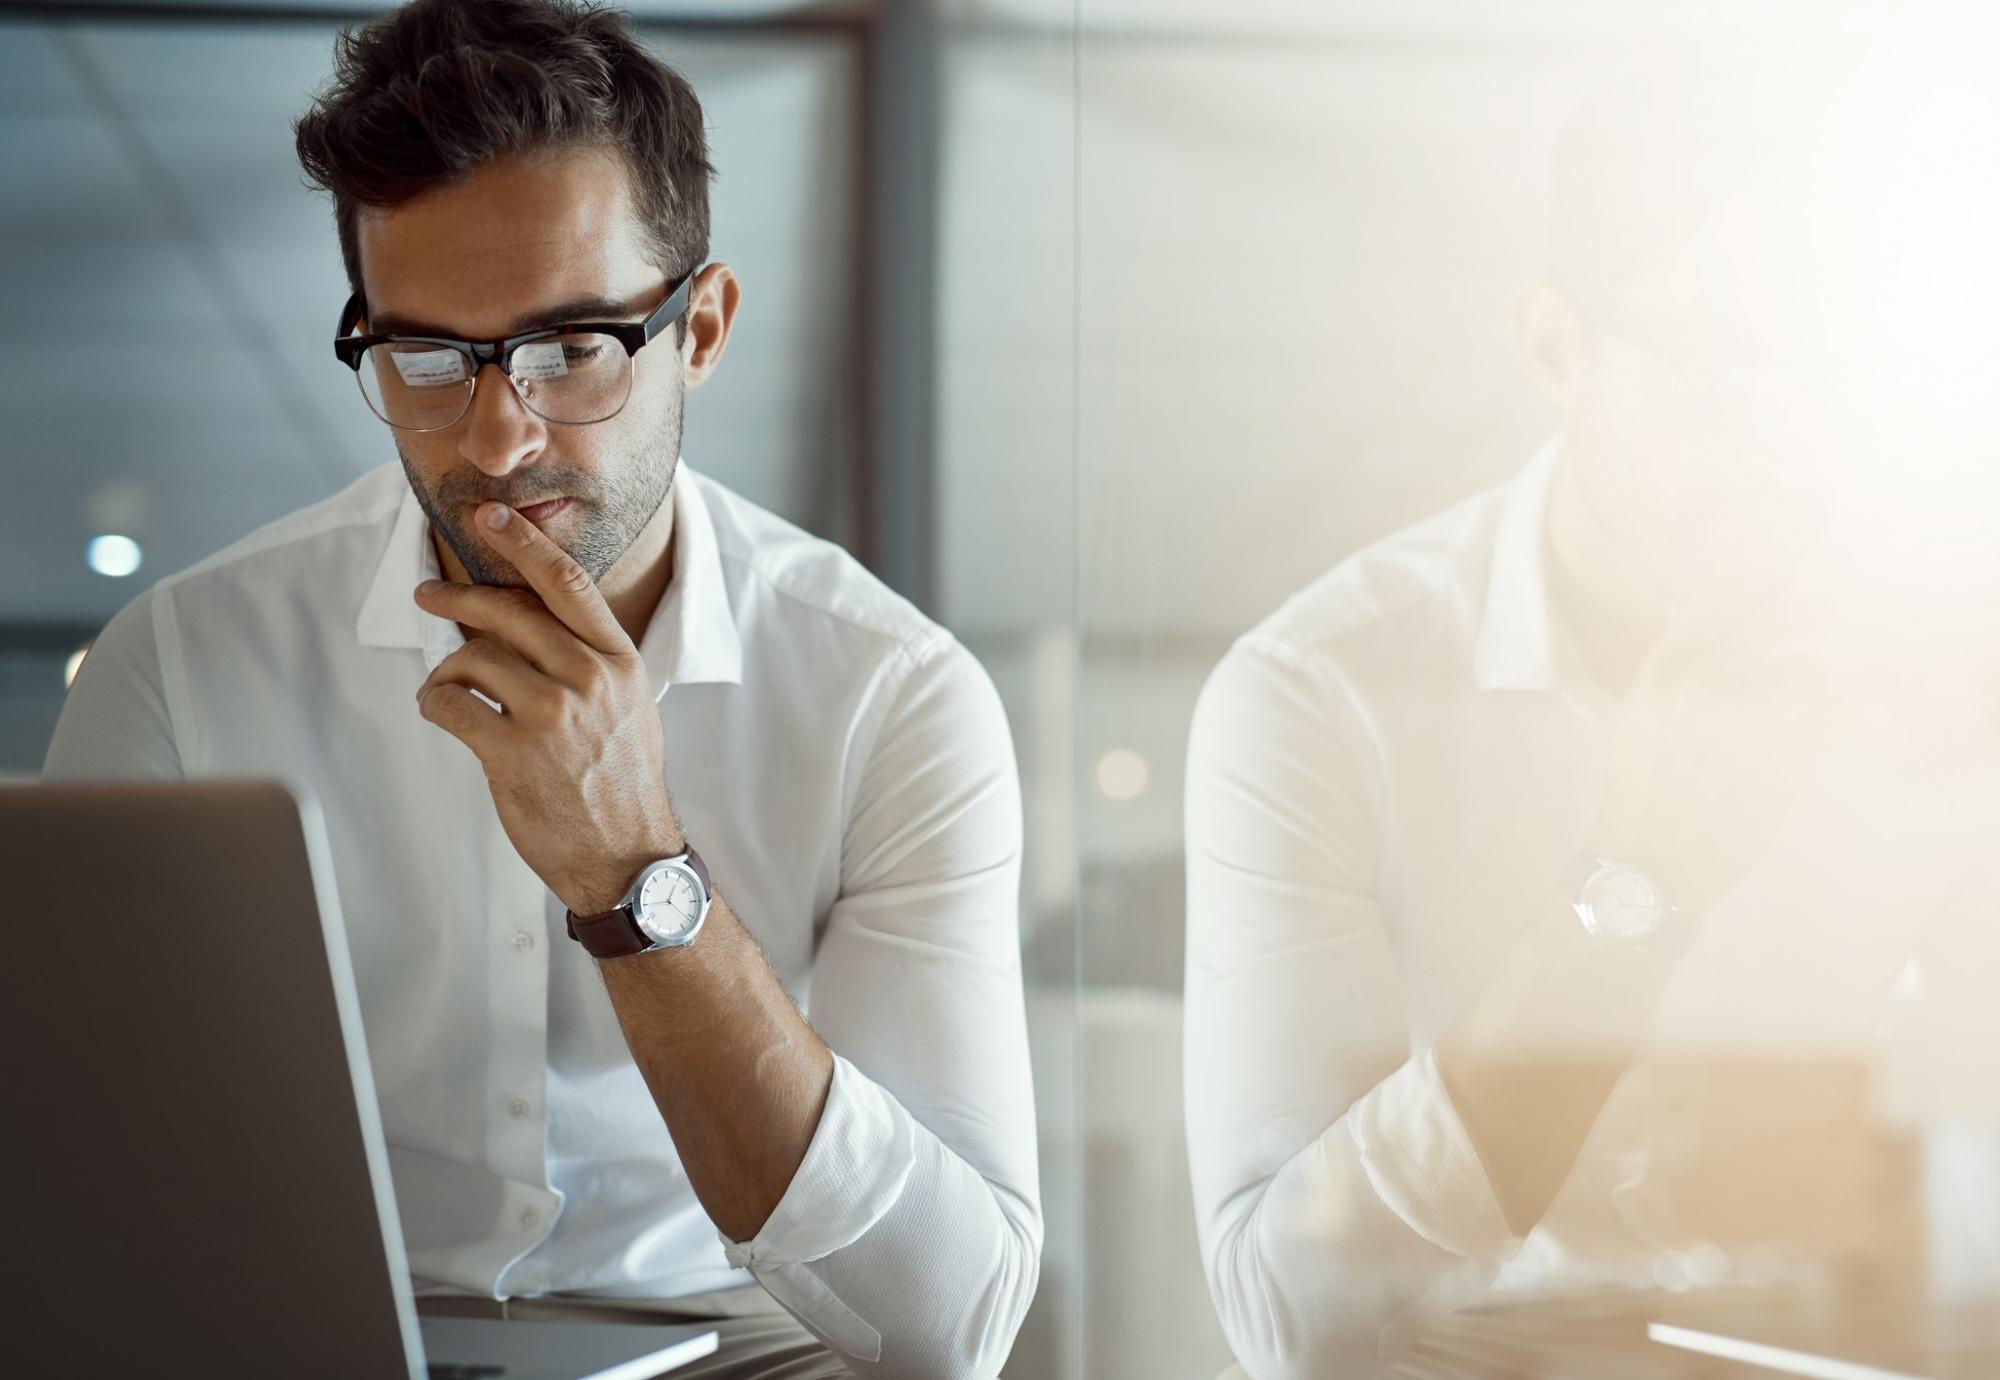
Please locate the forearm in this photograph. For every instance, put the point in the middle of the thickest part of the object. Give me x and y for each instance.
(1332, 1263)
(1404, 1207)
(1532, 1062)
(1410, 1195)
(887, 1242)
(739, 1077)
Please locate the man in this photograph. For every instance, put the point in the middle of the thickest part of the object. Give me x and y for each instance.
(1505, 804)
(624, 777)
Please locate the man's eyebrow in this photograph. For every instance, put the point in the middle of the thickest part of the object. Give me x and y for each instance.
(575, 309)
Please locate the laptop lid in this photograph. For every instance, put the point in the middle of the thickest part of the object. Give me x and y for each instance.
(192, 1128)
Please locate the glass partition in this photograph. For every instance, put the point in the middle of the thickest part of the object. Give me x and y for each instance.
(1536, 702)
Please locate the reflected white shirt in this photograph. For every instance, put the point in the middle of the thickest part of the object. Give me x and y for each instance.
(843, 765)
(1379, 784)
(1386, 778)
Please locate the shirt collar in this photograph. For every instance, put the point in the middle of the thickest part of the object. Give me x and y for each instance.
(692, 637)
(1516, 647)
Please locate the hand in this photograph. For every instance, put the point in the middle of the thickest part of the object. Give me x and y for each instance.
(574, 758)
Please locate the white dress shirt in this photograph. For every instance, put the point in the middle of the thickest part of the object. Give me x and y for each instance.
(1386, 779)
(844, 767)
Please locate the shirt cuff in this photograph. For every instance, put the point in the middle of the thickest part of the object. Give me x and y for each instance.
(1423, 1164)
(853, 1173)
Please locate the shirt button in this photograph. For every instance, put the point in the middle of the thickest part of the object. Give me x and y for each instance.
(523, 941)
(530, 1219)
(518, 1108)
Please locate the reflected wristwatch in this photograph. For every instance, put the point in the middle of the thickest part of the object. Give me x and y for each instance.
(1622, 906)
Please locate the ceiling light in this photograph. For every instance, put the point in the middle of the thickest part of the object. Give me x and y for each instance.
(113, 555)
(1121, 774)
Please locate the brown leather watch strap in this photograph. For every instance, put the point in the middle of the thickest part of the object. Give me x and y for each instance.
(700, 870)
(614, 934)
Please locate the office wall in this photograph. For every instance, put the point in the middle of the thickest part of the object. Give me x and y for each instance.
(1301, 234)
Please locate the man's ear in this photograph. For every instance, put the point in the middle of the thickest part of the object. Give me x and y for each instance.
(1549, 335)
(711, 311)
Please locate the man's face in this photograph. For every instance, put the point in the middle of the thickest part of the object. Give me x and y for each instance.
(1695, 433)
(513, 241)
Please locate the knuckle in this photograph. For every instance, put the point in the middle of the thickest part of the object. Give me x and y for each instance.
(569, 576)
(544, 700)
(483, 650)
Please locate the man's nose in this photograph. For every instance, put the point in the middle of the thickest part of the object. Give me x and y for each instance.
(499, 433)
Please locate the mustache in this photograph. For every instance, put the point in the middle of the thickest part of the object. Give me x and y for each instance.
(579, 488)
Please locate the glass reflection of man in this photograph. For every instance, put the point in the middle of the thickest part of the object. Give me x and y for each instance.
(1472, 816)
(586, 1001)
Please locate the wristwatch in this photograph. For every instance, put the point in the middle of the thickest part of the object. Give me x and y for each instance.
(663, 910)
(1622, 906)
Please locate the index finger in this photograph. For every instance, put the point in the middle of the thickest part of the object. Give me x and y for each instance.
(571, 595)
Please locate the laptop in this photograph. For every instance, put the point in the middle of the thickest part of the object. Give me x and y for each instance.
(1888, 1343)
(197, 1167)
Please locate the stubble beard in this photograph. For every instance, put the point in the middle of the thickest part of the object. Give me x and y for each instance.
(608, 510)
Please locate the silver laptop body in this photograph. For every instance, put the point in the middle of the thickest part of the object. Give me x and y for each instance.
(190, 1123)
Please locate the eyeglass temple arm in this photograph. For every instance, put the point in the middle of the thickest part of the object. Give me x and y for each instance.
(676, 303)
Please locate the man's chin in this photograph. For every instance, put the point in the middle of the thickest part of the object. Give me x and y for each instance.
(483, 569)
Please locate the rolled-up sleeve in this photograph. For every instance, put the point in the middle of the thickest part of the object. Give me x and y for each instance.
(909, 1240)
(1340, 1202)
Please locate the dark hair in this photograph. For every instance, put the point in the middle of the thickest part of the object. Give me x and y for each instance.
(425, 93)
(1643, 161)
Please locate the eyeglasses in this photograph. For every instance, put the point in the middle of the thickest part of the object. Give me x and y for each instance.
(1721, 372)
(571, 374)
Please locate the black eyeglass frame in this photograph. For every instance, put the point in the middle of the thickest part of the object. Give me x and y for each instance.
(634, 336)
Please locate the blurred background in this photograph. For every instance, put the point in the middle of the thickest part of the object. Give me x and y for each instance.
(1096, 328)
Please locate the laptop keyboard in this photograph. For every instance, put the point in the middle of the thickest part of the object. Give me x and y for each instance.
(448, 1371)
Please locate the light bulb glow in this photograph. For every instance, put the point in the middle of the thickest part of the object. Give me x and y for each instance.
(113, 555)
(1122, 774)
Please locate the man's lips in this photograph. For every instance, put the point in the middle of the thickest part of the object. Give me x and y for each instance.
(539, 513)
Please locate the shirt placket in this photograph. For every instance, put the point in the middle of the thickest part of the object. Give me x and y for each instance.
(517, 965)
(514, 957)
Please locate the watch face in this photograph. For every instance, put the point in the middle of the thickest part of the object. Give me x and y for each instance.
(1621, 904)
(669, 903)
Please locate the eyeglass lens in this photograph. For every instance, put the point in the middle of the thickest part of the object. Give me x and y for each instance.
(571, 379)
